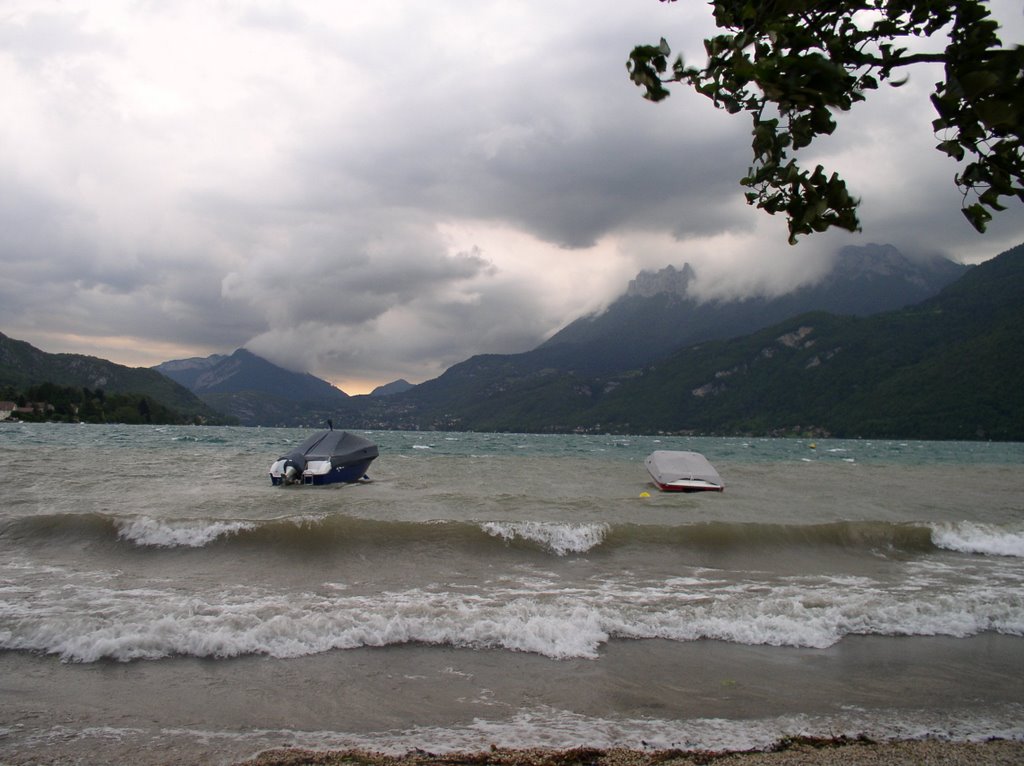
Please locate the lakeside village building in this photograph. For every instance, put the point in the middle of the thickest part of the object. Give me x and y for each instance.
(10, 410)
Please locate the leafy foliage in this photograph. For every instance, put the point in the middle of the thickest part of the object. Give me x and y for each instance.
(793, 64)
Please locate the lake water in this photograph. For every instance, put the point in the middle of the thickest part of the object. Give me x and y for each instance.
(161, 602)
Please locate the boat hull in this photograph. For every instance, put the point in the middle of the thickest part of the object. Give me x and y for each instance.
(339, 474)
(688, 486)
(682, 471)
(328, 457)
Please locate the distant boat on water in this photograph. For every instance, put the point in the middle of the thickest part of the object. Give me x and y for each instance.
(683, 471)
(328, 457)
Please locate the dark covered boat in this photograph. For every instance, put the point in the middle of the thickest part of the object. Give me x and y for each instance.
(328, 457)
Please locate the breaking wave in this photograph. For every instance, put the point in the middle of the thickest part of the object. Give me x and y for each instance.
(89, 618)
(972, 537)
(559, 538)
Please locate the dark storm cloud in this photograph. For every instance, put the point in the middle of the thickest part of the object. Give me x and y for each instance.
(379, 191)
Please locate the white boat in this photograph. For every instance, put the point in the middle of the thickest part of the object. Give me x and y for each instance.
(683, 471)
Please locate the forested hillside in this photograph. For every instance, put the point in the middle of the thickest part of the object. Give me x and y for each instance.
(101, 390)
(948, 367)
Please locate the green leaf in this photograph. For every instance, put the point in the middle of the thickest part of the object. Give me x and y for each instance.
(977, 216)
(806, 61)
(952, 148)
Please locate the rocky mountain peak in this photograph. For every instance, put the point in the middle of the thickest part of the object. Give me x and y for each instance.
(871, 262)
(192, 363)
(667, 280)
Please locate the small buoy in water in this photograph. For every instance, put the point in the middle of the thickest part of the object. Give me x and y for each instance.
(814, 446)
(645, 494)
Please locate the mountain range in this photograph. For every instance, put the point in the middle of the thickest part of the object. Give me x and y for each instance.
(945, 367)
(657, 315)
(948, 367)
(659, 312)
(882, 346)
(255, 391)
(23, 366)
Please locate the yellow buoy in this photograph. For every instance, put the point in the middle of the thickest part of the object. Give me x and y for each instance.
(645, 494)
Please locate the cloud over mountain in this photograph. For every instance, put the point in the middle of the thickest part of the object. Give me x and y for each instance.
(374, 192)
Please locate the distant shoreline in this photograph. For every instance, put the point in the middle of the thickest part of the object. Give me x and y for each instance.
(798, 751)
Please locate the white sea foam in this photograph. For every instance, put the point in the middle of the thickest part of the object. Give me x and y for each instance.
(86, 621)
(557, 537)
(544, 726)
(972, 537)
(549, 727)
(540, 726)
(172, 534)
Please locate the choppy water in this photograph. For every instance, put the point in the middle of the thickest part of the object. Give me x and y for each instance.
(516, 589)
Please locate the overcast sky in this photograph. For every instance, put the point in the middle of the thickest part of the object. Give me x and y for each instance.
(370, 191)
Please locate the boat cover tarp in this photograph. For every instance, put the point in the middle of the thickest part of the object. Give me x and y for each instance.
(667, 466)
(339, 447)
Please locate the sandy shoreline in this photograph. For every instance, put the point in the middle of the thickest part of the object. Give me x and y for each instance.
(793, 752)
